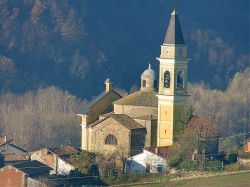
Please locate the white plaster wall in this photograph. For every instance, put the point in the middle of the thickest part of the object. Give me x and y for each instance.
(138, 163)
(63, 167)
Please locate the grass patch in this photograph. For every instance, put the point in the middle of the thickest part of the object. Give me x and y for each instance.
(233, 180)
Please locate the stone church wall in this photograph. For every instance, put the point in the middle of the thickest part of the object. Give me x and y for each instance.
(102, 130)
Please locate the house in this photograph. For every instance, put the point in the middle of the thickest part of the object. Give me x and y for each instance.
(244, 158)
(247, 146)
(56, 158)
(29, 173)
(146, 161)
(7, 146)
(11, 152)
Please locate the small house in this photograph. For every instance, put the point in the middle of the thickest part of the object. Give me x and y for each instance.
(12, 153)
(56, 158)
(146, 161)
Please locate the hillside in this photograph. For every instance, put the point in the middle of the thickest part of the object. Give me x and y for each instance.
(76, 45)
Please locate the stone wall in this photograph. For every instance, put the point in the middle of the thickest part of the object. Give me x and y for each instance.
(102, 130)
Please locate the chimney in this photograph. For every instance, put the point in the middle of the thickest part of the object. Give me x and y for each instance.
(108, 85)
(5, 139)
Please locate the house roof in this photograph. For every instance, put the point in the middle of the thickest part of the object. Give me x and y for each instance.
(164, 151)
(246, 155)
(10, 157)
(139, 98)
(122, 119)
(64, 152)
(4, 141)
(174, 32)
(32, 168)
(96, 100)
(20, 148)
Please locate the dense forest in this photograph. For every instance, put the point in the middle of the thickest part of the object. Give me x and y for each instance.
(67, 43)
(55, 55)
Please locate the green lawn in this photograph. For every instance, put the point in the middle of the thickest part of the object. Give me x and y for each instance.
(234, 180)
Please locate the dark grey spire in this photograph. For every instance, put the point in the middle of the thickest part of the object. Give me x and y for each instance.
(174, 33)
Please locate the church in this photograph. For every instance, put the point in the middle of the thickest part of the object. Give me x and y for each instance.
(146, 118)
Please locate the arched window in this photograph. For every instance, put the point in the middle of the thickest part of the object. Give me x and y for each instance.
(155, 83)
(111, 140)
(143, 83)
(179, 83)
(166, 79)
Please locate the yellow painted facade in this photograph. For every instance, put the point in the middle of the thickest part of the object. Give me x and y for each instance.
(172, 92)
(98, 108)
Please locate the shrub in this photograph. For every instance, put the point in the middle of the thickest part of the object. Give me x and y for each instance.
(175, 161)
(231, 156)
(188, 165)
(232, 167)
(83, 161)
(213, 166)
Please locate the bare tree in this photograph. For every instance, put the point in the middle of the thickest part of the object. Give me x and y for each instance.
(42, 118)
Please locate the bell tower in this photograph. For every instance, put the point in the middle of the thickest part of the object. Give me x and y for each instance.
(172, 94)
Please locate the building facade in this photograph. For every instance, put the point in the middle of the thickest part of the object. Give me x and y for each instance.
(145, 118)
(172, 94)
(25, 174)
(58, 159)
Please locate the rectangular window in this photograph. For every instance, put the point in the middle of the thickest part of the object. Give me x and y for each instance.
(159, 168)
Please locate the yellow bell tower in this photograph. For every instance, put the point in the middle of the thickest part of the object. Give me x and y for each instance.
(172, 94)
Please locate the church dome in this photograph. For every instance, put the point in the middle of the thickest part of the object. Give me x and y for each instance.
(149, 73)
(148, 79)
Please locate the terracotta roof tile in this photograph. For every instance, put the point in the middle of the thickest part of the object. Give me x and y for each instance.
(8, 157)
(64, 152)
(4, 141)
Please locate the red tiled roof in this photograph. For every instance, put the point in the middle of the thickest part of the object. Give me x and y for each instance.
(64, 152)
(161, 151)
(15, 157)
(4, 141)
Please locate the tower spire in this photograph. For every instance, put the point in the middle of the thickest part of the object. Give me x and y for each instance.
(172, 93)
(174, 32)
